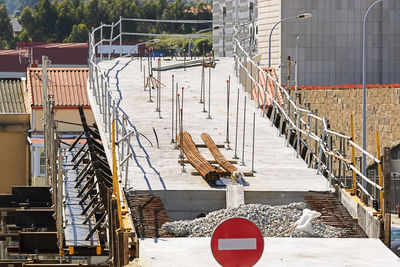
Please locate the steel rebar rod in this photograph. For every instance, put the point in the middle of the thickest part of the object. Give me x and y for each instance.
(176, 114)
(172, 110)
(228, 91)
(244, 129)
(144, 78)
(209, 91)
(237, 124)
(254, 136)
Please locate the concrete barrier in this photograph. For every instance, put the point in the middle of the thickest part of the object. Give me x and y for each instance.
(364, 215)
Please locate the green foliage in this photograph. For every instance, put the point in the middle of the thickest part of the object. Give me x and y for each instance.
(78, 34)
(72, 20)
(6, 33)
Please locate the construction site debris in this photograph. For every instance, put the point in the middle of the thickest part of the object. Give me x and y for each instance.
(273, 221)
(206, 170)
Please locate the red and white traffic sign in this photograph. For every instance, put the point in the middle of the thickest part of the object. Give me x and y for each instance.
(237, 242)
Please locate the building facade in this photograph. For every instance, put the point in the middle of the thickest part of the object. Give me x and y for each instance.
(330, 43)
(14, 123)
(225, 14)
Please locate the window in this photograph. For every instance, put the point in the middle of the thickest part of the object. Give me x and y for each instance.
(42, 163)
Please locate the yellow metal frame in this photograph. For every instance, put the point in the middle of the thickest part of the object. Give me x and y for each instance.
(116, 192)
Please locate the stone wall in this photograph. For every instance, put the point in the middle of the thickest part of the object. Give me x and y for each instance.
(383, 110)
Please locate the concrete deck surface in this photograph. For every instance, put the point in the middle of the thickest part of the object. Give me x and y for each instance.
(277, 252)
(276, 165)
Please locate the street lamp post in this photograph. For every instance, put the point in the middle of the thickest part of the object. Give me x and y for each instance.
(153, 41)
(195, 35)
(364, 74)
(300, 17)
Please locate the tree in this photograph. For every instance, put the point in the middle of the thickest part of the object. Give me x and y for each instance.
(45, 18)
(78, 34)
(6, 33)
(27, 22)
(65, 20)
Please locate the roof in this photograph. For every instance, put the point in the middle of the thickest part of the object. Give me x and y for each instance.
(51, 45)
(11, 97)
(16, 26)
(68, 85)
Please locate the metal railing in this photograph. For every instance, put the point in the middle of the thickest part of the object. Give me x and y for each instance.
(308, 133)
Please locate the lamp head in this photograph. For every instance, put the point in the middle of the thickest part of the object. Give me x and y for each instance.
(304, 16)
(153, 41)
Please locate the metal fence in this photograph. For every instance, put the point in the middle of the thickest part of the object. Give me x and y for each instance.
(311, 136)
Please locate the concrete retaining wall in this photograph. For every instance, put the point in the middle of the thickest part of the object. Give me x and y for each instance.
(364, 215)
(382, 112)
(188, 204)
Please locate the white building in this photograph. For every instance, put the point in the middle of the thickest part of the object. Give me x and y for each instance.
(330, 44)
(225, 14)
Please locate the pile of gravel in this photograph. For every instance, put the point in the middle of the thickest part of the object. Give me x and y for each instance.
(271, 220)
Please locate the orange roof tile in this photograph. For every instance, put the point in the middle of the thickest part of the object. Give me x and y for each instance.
(68, 85)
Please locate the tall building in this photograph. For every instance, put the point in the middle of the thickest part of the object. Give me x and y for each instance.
(225, 14)
(330, 43)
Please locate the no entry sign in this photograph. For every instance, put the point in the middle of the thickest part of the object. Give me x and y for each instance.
(237, 242)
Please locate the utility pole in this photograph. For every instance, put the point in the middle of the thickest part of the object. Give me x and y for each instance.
(45, 116)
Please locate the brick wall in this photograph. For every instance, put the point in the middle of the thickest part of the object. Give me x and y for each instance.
(383, 112)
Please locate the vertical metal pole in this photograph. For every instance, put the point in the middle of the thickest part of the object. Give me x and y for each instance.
(111, 37)
(344, 165)
(101, 94)
(320, 151)
(209, 91)
(237, 124)
(141, 62)
(295, 69)
(172, 110)
(330, 160)
(228, 91)
(159, 88)
(309, 140)
(316, 133)
(109, 114)
(60, 203)
(339, 161)
(245, 74)
(298, 132)
(202, 81)
(144, 78)
(106, 104)
(364, 95)
(101, 40)
(244, 129)
(378, 151)
(120, 36)
(258, 86)
(254, 138)
(45, 113)
(265, 91)
(103, 98)
(251, 81)
(112, 119)
(182, 110)
(273, 105)
(97, 90)
(176, 115)
(184, 60)
(353, 154)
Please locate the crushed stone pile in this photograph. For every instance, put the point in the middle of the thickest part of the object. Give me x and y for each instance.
(271, 220)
